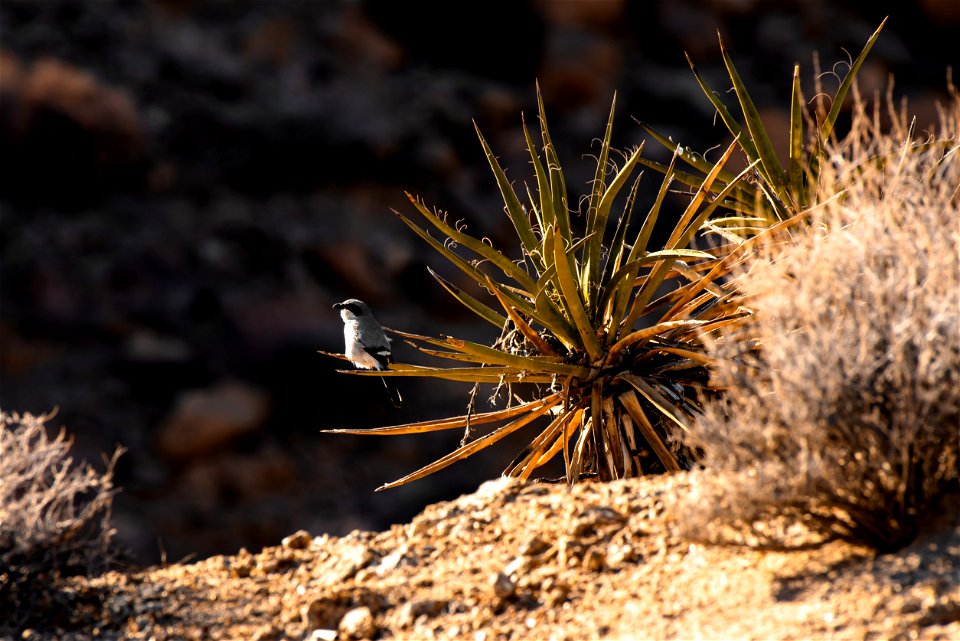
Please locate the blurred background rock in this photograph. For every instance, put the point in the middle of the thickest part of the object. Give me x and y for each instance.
(187, 186)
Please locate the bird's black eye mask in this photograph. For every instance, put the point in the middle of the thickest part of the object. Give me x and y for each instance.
(353, 308)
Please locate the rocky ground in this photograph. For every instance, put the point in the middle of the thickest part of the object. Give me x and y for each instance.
(535, 561)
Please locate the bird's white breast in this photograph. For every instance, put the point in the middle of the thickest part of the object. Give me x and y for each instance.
(354, 350)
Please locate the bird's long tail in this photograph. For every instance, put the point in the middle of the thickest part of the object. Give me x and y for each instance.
(392, 393)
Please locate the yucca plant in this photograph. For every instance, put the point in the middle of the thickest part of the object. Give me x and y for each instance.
(599, 332)
(772, 193)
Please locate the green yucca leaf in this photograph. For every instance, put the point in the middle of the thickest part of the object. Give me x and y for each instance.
(546, 211)
(572, 300)
(732, 125)
(618, 247)
(562, 329)
(681, 238)
(541, 345)
(772, 168)
(477, 353)
(558, 186)
(514, 210)
(549, 301)
(649, 285)
(683, 233)
(538, 364)
(646, 231)
(606, 203)
(466, 267)
(470, 302)
(796, 136)
(531, 364)
(628, 272)
(623, 292)
(470, 448)
(697, 162)
(596, 226)
(456, 422)
(546, 316)
(826, 128)
(507, 266)
(741, 199)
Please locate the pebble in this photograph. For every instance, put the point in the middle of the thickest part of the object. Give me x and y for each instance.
(299, 540)
(519, 565)
(503, 586)
(412, 610)
(594, 560)
(358, 624)
(267, 633)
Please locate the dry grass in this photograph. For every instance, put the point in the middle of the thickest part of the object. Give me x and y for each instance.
(54, 516)
(846, 419)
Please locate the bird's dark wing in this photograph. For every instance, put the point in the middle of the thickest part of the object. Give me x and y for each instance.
(381, 353)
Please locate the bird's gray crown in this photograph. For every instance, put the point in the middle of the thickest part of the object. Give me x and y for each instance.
(355, 306)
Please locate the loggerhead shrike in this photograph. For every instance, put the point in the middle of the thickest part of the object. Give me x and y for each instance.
(366, 344)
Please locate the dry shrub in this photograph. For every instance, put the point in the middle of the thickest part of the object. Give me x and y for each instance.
(846, 418)
(54, 516)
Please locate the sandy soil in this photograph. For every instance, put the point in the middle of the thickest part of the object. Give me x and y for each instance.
(536, 561)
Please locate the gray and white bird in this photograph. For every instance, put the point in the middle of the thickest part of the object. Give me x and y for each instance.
(365, 342)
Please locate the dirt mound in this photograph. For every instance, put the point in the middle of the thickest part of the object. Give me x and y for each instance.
(537, 561)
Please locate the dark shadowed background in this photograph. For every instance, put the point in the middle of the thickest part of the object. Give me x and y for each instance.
(187, 187)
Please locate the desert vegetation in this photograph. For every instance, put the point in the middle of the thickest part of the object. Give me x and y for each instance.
(840, 407)
(54, 518)
(806, 341)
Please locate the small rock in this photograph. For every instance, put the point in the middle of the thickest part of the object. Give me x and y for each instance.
(322, 634)
(241, 568)
(299, 540)
(568, 552)
(267, 633)
(503, 585)
(534, 546)
(317, 614)
(394, 560)
(557, 595)
(358, 624)
(412, 610)
(205, 420)
(619, 555)
(594, 560)
(519, 565)
(594, 517)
